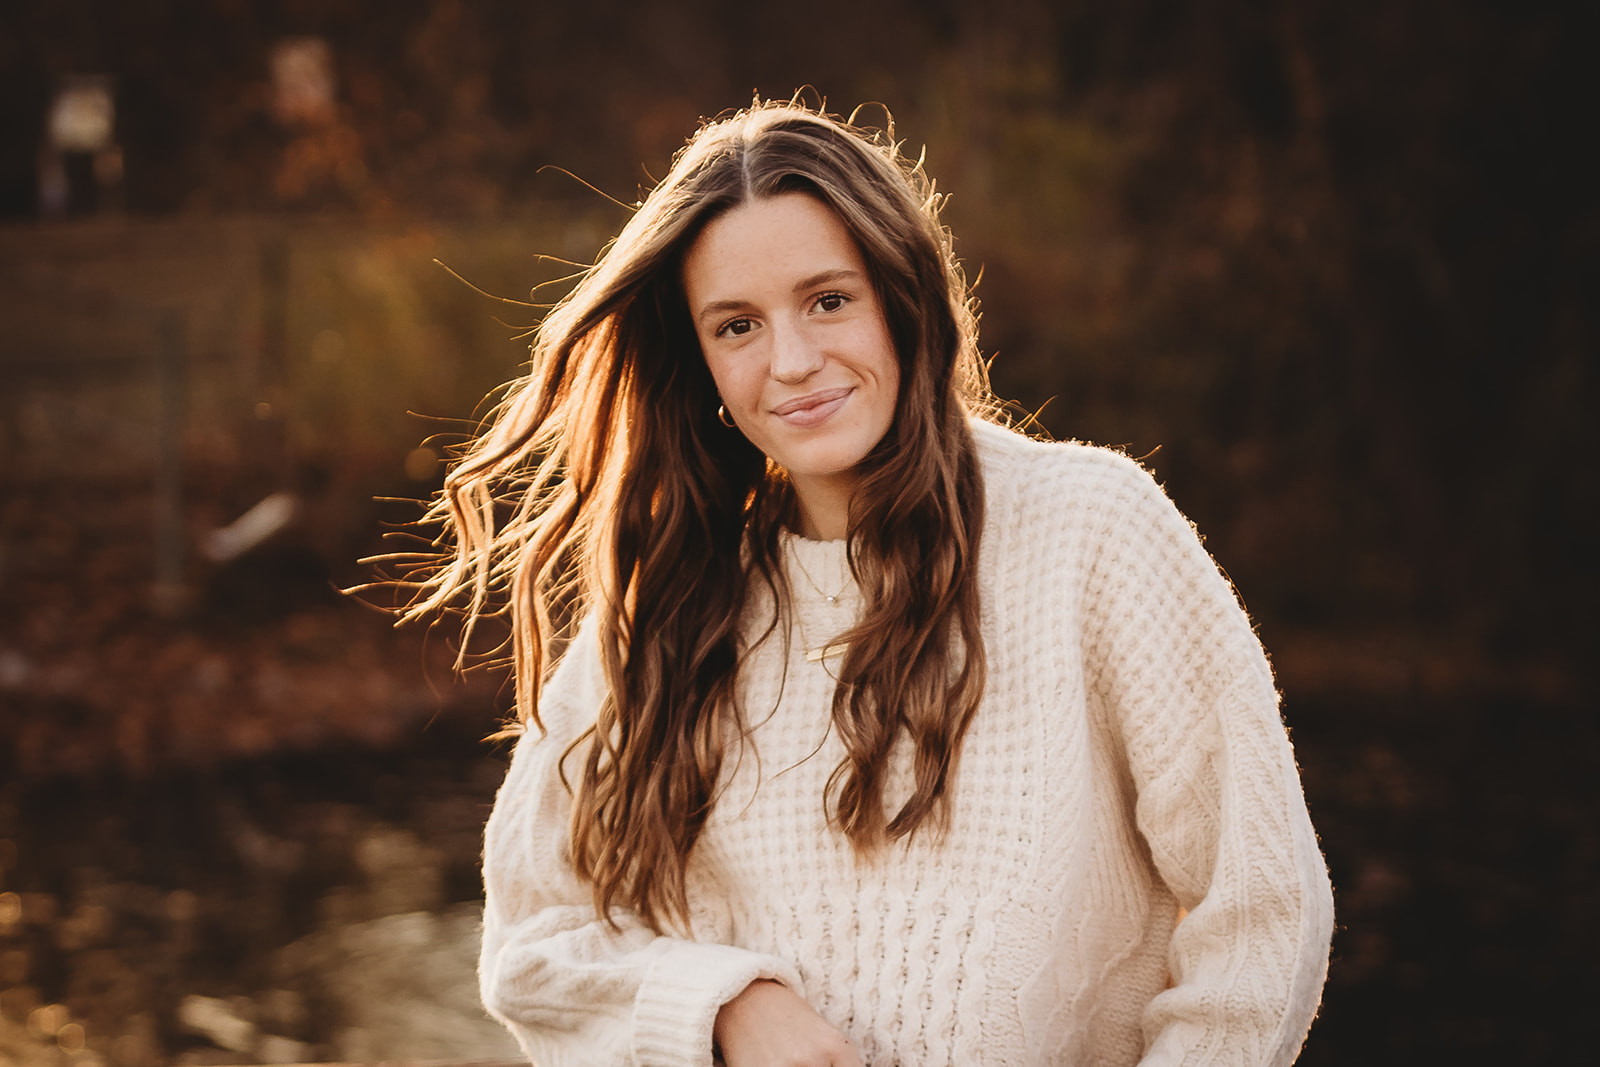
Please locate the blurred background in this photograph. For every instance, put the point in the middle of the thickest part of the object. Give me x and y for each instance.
(1331, 268)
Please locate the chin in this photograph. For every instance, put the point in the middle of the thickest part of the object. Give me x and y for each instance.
(831, 466)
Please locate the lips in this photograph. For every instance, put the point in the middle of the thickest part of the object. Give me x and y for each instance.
(813, 408)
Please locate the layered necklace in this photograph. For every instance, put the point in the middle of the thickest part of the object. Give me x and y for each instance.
(832, 647)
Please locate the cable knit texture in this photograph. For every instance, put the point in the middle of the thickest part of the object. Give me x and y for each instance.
(1127, 760)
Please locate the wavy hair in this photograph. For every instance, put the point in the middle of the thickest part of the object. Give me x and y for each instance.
(603, 483)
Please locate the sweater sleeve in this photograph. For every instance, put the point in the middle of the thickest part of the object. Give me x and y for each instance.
(571, 988)
(1218, 796)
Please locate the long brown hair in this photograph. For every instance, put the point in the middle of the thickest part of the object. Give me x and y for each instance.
(604, 483)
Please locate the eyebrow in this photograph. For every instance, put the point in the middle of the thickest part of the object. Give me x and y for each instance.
(824, 277)
(837, 274)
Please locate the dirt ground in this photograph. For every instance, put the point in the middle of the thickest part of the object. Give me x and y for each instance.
(290, 908)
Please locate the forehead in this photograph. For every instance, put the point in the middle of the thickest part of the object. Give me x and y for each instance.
(773, 241)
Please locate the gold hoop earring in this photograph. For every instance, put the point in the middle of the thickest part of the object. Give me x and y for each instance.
(722, 416)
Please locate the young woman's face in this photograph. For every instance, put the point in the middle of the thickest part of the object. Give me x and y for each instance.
(795, 337)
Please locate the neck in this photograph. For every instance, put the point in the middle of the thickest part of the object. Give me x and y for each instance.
(824, 507)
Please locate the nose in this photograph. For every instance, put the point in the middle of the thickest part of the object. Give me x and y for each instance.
(795, 357)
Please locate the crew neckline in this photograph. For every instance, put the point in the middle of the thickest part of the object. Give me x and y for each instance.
(817, 569)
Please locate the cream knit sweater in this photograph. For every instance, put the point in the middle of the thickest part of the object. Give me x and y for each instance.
(1127, 759)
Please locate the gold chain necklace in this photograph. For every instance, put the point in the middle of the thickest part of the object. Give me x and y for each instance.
(823, 593)
(828, 649)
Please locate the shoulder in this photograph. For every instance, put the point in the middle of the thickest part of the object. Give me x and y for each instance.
(1086, 518)
(1026, 479)
(1057, 515)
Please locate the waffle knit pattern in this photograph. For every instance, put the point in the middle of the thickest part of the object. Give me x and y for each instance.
(1127, 760)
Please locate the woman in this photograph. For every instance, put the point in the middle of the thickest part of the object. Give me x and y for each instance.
(888, 736)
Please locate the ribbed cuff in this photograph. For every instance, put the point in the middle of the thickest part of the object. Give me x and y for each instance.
(678, 1001)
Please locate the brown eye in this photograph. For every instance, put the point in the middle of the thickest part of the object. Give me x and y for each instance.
(736, 328)
(831, 301)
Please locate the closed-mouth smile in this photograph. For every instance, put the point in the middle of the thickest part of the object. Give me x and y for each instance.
(814, 407)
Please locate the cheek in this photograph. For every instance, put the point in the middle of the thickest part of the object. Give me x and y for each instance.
(889, 370)
(890, 403)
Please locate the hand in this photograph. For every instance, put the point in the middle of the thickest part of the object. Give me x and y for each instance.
(769, 1025)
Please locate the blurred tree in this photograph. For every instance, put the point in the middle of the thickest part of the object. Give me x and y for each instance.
(1332, 263)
